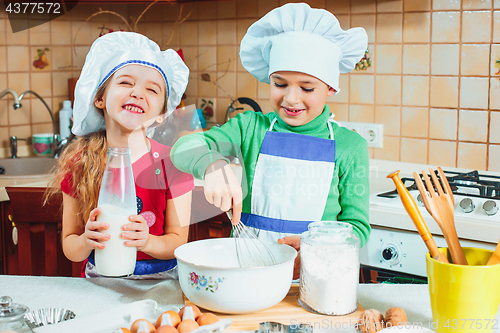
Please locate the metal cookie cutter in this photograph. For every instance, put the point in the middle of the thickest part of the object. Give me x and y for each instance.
(273, 327)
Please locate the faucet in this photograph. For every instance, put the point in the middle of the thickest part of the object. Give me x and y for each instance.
(242, 100)
(17, 100)
(13, 146)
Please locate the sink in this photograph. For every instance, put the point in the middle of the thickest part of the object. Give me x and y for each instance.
(26, 166)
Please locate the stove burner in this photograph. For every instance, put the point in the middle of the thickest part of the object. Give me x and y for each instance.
(486, 185)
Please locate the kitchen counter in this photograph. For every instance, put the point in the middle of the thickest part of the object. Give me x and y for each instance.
(88, 297)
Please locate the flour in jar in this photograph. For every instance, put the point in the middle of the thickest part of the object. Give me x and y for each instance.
(329, 277)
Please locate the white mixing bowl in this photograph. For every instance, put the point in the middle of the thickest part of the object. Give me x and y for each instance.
(210, 276)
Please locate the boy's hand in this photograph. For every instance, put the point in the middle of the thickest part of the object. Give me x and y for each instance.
(223, 189)
(140, 235)
(93, 235)
(293, 241)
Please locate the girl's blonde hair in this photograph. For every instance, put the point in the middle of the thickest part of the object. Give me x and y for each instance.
(83, 162)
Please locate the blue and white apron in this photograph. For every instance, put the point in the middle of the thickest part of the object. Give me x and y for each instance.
(292, 180)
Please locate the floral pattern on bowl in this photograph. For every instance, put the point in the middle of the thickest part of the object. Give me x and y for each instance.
(202, 282)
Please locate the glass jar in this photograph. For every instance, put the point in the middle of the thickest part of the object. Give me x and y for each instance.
(329, 271)
(117, 200)
(11, 314)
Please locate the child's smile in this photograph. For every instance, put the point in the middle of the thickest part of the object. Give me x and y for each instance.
(133, 108)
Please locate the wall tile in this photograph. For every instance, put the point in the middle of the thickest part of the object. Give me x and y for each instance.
(476, 27)
(170, 35)
(246, 8)
(495, 94)
(389, 28)
(366, 21)
(337, 6)
(154, 31)
(22, 131)
(3, 84)
(416, 59)
(361, 113)
(313, 3)
(18, 82)
(206, 88)
(444, 91)
(189, 33)
(221, 108)
(443, 153)
(416, 5)
(21, 116)
(473, 125)
(471, 156)
(343, 95)
(475, 59)
(263, 91)
(445, 59)
(207, 32)
(388, 89)
(494, 127)
(39, 113)
(60, 32)
(474, 92)
(415, 90)
(61, 57)
(363, 6)
(495, 56)
(18, 38)
(207, 58)
(242, 26)
(18, 58)
(344, 20)
(246, 85)
(40, 35)
(226, 32)
(191, 9)
(3, 36)
(192, 87)
(34, 56)
(390, 151)
(226, 58)
(191, 57)
(445, 27)
(390, 6)
(79, 55)
(415, 122)
(225, 85)
(60, 83)
(41, 83)
(494, 158)
(474, 4)
(496, 4)
(445, 4)
(443, 124)
(3, 59)
(414, 150)
(390, 116)
(496, 26)
(208, 9)
(341, 111)
(417, 27)
(227, 9)
(361, 89)
(4, 114)
(388, 59)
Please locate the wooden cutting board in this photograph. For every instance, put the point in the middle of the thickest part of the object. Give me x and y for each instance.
(287, 312)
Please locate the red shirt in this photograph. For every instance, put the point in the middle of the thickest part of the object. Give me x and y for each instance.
(156, 180)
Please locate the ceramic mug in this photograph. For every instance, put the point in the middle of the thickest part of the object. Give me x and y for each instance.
(464, 298)
(42, 144)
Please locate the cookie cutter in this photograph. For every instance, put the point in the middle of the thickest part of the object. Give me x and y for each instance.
(274, 327)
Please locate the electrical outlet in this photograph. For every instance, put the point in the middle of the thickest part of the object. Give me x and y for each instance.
(373, 133)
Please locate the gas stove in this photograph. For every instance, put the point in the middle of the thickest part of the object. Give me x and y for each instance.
(395, 244)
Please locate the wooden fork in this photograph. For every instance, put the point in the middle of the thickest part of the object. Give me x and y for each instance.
(441, 205)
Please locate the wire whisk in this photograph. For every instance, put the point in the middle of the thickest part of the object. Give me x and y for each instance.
(250, 250)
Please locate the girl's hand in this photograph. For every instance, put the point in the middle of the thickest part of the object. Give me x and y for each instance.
(223, 189)
(293, 241)
(93, 235)
(140, 232)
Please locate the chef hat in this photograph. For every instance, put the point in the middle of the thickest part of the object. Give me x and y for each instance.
(296, 37)
(113, 51)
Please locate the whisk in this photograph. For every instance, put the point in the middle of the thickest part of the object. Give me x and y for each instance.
(250, 250)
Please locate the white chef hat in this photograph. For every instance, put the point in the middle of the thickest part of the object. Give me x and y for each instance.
(108, 54)
(296, 37)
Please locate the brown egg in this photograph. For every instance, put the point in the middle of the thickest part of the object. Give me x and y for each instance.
(166, 329)
(196, 312)
(135, 326)
(121, 329)
(187, 325)
(174, 316)
(207, 319)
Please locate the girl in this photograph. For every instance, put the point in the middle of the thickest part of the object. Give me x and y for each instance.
(299, 165)
(126, 82)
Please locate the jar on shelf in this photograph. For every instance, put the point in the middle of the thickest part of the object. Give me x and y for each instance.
(329, 271)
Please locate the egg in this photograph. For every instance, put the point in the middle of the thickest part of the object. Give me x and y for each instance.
(166, 329)
(187, 325)
(207, 319)
(174, 316)
(135, 326)
(196, 312)
(121, 330)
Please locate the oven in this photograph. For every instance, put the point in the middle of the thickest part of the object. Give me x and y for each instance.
(395, 251)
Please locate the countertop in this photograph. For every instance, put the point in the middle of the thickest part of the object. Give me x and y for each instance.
(90, 297)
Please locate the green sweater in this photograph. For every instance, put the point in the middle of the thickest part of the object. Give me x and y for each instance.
(243, 136)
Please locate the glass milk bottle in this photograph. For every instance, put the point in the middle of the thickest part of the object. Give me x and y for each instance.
(329, 271)
(117, 201)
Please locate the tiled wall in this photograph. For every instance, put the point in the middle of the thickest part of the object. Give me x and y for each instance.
(432, 83)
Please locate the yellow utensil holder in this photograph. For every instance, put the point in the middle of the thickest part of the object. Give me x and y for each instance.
(464, 298)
